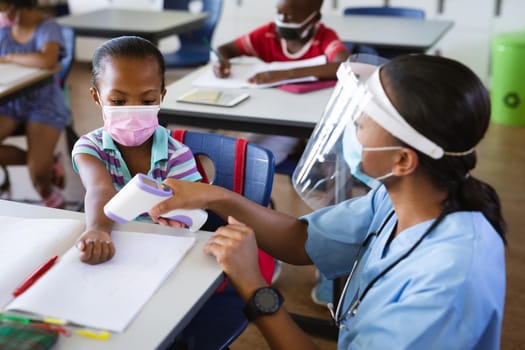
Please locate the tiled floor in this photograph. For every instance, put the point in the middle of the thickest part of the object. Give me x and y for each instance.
(501, 163)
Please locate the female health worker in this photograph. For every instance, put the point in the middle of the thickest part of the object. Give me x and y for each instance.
(424, 248)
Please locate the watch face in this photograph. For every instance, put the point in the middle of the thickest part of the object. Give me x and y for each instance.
(267, 300)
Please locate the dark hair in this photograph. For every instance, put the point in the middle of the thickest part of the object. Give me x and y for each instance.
(21, 3)
(445, 101)
(126, 47)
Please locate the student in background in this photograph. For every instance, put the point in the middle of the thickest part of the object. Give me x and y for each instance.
(128, 85)
(295, 34)
(29, 39)
(424, 248)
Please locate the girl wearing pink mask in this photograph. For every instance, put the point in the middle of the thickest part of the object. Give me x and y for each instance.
(128, 85)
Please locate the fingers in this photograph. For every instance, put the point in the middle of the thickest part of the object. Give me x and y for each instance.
(227, 238)
(170, 223)
(261, 78)
(222, 69)
(163, 207)
(96, 251)
(234, 221)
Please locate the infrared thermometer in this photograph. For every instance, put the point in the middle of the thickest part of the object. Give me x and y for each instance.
(140, 195)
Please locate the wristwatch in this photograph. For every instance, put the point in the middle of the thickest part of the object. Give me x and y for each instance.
(265, 301)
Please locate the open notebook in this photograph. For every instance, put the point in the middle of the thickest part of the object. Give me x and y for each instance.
(106, 296)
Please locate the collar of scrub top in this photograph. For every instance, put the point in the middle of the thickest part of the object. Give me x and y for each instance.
(381, 110)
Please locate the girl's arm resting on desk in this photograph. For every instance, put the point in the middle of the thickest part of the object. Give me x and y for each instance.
(283, 236)
(47, 58)
(235, 249)
(95, 244)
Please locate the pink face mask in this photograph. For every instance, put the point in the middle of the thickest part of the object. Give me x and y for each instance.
(5, 21)
(130, 125)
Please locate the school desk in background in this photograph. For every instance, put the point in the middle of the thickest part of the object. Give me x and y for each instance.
(17, 80)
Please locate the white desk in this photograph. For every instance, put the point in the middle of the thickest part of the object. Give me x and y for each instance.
(168, 311)
(26, 83)
(402, 34)
(151, 25)
(268, 110)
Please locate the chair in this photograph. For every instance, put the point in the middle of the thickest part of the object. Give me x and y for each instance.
(381, 11)
(66, 63)
(194, 46)
(221, 320)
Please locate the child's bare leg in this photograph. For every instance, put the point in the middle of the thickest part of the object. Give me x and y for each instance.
(41, 143)
(10, 155)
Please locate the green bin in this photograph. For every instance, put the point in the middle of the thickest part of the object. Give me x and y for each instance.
(508, 79)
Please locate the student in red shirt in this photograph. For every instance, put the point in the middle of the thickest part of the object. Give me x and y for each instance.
(295, 34)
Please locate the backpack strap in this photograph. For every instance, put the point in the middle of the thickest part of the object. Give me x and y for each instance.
(239, 165)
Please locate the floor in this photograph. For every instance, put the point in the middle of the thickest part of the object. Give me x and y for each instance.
(501, 164)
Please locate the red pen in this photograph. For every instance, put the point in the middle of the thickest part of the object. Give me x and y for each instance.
(34, 276)
(57, 329)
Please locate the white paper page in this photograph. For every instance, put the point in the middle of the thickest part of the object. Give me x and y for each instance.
(27, 243)
(10, 73)
(243, 69)
(106, 296)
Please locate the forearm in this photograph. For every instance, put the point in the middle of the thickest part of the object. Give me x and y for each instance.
(281, 332)
(228, 50)
(95, 200)
(322, 72)
(281, 235)
(34, 59)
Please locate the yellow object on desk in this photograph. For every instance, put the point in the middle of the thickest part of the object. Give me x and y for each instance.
(102, 335)
(213, 97)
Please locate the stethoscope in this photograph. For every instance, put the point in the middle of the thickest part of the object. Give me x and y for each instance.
(352, 309)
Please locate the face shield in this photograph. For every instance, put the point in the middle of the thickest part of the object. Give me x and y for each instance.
(329, 170)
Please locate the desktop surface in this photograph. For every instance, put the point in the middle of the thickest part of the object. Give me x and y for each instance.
(268, 110)
(169, 310)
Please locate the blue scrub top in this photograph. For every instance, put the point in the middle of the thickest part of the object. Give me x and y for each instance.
(447, 294)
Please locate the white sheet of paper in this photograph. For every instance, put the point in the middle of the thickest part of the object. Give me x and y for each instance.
(26, 244)
(246, 67)
(106, 296)
(10, 73)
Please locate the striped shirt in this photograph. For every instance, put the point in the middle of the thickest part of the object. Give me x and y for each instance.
(169, 158)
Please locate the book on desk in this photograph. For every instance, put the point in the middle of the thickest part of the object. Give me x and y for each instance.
(107, 296)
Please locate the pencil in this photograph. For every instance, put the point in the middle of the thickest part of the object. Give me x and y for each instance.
(220, 57)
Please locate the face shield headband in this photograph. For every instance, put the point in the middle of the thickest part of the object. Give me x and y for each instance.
(381, 110)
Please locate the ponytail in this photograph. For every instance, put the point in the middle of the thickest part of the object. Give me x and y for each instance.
(471, 194)
(447, 103)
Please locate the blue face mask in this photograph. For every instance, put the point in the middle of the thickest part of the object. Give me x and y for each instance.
(352, 153)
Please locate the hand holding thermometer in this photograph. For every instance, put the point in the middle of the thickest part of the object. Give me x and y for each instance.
(140, 195)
